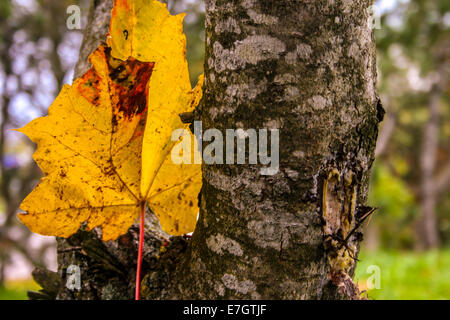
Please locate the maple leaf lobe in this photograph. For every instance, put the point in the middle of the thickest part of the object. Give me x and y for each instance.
(105, 145)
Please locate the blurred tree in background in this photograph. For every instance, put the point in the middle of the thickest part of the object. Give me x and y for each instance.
(37, 54)
(412, 172)
(411, 178)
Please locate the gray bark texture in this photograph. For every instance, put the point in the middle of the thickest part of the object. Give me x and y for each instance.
(308, 69)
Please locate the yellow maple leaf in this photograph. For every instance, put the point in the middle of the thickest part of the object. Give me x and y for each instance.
(146, 31)
(105, 144)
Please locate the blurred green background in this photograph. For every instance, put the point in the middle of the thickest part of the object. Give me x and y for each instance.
(406, 251)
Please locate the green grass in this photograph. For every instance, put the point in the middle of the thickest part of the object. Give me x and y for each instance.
(407, 275)
(17, 290)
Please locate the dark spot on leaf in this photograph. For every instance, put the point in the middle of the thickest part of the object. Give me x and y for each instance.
(128, 85)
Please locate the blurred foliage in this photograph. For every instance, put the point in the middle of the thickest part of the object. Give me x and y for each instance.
(406, 275)
(413, 47)
(444, 218)
(5, 10)
(37, 56)
(396, 208)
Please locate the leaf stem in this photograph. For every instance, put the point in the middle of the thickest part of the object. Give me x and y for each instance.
(141, 247)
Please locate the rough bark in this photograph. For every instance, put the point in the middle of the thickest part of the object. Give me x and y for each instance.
(308, 69)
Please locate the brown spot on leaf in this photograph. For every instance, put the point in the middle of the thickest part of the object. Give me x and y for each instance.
(89, 86)
(128, 85)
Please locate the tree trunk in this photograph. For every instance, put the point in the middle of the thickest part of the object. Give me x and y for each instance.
(433, 182)
(427, 228)
(308, 69)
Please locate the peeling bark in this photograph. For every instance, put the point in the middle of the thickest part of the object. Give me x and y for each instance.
(308, 69)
